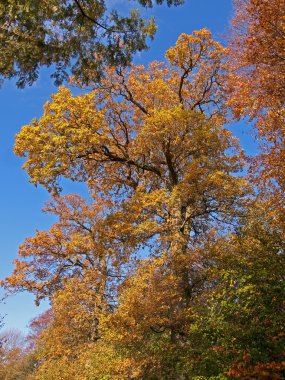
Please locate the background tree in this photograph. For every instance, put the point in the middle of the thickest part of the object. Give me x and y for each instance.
(247, 304)
(78, 35)
(256, 84)
(37, 325)
(16, 362)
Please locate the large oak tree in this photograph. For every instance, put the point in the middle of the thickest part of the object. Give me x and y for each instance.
(162, 170)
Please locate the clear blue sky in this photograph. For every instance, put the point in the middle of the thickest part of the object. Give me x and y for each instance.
(21, 202)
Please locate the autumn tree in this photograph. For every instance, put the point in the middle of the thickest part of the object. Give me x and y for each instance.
(162, 171)
(256, 91)
(16, 362)
(151, 145)
(37, 325)
(76, 37)
(65, 345)
(256, 83)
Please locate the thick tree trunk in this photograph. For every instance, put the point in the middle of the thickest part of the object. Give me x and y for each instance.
(179, 266)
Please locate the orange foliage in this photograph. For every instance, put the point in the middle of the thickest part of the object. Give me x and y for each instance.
(257, 82)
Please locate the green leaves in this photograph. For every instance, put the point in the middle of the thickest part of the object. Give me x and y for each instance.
(77, 37)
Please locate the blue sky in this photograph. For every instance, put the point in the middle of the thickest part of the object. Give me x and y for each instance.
(21, 202)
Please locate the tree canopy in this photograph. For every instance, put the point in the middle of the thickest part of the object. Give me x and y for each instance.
(77, 37)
